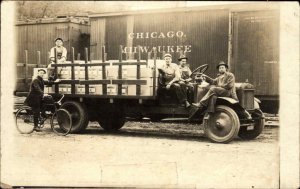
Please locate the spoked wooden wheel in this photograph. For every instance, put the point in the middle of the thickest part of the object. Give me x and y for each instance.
(24, 120)
(222, 126)
(61, 122)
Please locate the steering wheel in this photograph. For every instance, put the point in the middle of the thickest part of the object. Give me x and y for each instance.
(198, 72)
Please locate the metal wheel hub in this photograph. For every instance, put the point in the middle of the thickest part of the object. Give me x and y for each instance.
(222, 124)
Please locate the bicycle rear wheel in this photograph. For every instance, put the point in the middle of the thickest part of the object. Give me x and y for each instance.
(61, 122)
(24, 120)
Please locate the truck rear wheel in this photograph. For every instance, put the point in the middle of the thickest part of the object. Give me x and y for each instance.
(79, 115)
(259, 124)
(112, 121)
(223, 125)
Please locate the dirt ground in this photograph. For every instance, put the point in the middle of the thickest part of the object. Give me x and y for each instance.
(142, 154)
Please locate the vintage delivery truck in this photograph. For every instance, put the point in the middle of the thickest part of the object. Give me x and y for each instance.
(109, 91)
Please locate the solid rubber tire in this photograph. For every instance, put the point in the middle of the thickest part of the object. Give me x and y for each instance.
(234, 130)
(79, 114)
(258, 128)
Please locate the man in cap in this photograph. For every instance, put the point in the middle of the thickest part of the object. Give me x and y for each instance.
(36, 94)
(61, 56)
(223, 86)
(171, 75)
(185, 73)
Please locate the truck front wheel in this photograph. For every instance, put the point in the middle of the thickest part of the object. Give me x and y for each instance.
(259, 124)
(223, 125)
(112, 121)
(79, 115)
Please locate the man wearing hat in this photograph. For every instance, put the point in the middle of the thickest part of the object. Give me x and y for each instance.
(36, 94)
(171, 75)
(61, 56)
(185, 73)
(223, 86)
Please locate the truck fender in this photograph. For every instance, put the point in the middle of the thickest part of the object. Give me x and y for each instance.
(230, 100)
(256, 103)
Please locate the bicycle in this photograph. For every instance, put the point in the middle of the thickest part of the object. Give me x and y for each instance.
(61, 119)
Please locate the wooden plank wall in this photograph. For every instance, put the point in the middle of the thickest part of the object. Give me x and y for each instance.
(40, 37)
(97, 37)
(205, 31)
(256, 50)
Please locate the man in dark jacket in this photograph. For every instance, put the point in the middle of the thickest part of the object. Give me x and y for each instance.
(223, 86)
(36, 94)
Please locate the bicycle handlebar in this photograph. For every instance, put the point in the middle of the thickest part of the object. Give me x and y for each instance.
(59, 101)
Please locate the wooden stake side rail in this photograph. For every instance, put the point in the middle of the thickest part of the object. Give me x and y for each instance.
(26, 79)
(102, 64)
(111, 96)
(138, 81)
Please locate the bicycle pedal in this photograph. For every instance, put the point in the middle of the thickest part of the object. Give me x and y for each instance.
(26, 121)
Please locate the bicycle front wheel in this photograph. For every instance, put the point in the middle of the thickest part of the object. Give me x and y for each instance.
(24, 120)
(61, 122)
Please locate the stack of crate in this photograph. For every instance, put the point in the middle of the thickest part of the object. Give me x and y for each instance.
(129, 72)
(64, 73)
(94, 73)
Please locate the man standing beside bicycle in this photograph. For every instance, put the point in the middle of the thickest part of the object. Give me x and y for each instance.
(36, 94)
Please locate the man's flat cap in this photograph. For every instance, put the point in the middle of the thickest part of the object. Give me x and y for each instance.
(58, 39)
(42, 70)
(167, 55)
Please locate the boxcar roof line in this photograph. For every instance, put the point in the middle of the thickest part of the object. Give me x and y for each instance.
(54, 20)
(234, 7)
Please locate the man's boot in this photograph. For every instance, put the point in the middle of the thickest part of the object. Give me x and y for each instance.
(196, 108)
(36, 124)
(187, 104)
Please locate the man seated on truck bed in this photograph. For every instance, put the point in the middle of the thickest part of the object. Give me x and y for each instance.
(170, 77)
(223, 86)
(185, 79)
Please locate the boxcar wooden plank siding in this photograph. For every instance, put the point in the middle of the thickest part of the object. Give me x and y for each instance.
(97, 38)
(40, 37)
(255, 39)
(36, 36)
(256, 53)
(205, 33)
(115, 35)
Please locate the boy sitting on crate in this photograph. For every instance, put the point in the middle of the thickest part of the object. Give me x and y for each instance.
(61, 57)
